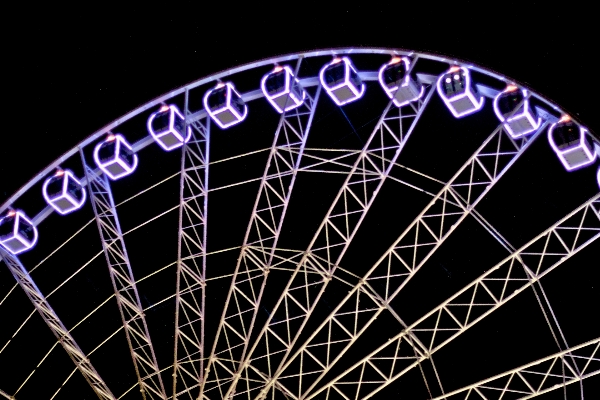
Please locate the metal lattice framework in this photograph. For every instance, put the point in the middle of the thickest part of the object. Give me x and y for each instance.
(274, 296)
(128, 299)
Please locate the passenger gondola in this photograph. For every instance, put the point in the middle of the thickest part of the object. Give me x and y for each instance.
(64, 192)
(458, 92)
(282, 89)
(572, 144)
(396, 81)
(341, 81)
(17, 232)
(115, 157)
(167, 127)
(513, 109)
(225, 105)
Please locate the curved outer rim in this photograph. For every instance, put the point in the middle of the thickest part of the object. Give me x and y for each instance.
(260, 63)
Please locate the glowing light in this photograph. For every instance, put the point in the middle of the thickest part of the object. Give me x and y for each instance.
(523, 121)
(598, 177)
(573, 155)
(59, 172)
(456, 77)
(174, 134)
(405, 92)
(289, 96)
(278, 68)
(23, 234)
(565, 118)
(231, 112)
(70, 195)
(110, 137)
(123, 160)
(351, 88)
(467, 100)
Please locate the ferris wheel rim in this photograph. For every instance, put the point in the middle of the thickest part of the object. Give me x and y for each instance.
(251, 65)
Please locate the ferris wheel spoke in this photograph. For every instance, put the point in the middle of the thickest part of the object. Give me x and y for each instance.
(125, 288)
(536, 378)
(304, 289)
(56, 326)
(373, 294)
(188, 365)
(257, 255)
(473, 303)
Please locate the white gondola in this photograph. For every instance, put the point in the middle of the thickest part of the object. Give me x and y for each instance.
(225, 105)
(517, 122)
(282, 89)
(115, 157)
(64, 192)
(458, 92)
(167, 127)
(17, 232)
(572, 144)
(341, 81)
(399, 86)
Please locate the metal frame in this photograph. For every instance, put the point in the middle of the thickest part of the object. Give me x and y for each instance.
(188, 365)
(556, 244)
(329, 243)
(258, 249)
(121, 275)
(457, 200)
(80, 359)
(406, 256)
(538, 377)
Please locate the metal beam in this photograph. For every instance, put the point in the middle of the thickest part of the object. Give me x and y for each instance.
(538, 377)
(124, 285)
(258, 248)
(328, 246)
(511, 276)
(56, 326)
(191, 262)
(384, 281)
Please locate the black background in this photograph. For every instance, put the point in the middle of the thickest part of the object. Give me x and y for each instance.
(71, 70)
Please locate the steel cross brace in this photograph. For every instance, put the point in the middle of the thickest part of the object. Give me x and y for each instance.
(191, 262)
(536, 378)
(382, 283)
(124, 285)
(56, 326)
(258, 249)
(544, 253)
(330, 243)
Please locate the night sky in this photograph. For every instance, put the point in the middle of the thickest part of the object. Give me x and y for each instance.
(72, 71)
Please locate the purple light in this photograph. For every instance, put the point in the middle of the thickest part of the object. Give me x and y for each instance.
(467, 100)
(523, 121)
(292, 95)
(17, 232)
(598, 177)
(576, 152)
(171, 135)
(224, 105)
(346, 86)
(118, 161)
(70, 195)
(407, 91)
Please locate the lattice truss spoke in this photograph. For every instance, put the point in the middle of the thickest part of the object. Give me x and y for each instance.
(258, 250)
(536, 378)
(470, 305)
(63, 335)
(191, 261)
(128, 300)
(372, 295)
(330, 242)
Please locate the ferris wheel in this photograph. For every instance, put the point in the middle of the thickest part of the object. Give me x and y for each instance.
(336, 225)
